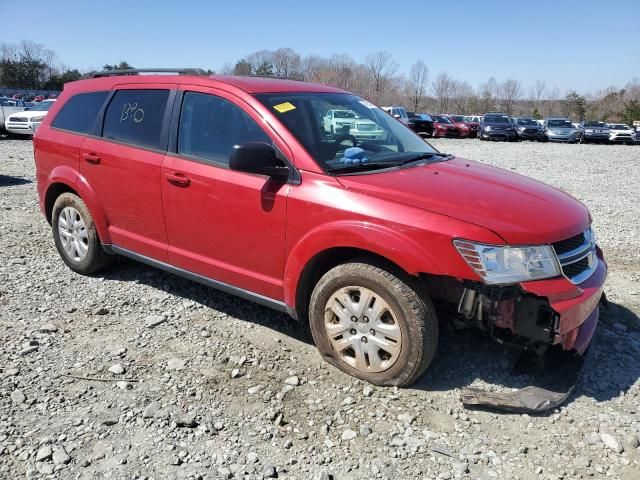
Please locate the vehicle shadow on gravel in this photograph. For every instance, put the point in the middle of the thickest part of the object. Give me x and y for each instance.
(9, 181)
(469, 357)
(126, 270)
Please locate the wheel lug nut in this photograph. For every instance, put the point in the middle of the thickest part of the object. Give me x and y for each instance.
(363, 339)
(365, 319)
(372, 331)
(354, 319)
(352, 331)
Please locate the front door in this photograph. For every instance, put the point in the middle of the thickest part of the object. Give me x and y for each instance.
(223, 224)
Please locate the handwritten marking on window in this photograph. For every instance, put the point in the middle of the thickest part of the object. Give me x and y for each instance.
(132, 111)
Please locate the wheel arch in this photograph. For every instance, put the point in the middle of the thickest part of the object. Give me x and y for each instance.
(331, 245)
(66, 180)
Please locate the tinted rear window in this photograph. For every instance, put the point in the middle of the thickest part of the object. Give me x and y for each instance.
(135, 116)
(79, 113)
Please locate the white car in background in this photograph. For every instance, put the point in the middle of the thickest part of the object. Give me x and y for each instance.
(348, 122)
(621, 133)
(28, 121)
(399, 113)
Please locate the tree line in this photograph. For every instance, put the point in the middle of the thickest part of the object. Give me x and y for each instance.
(29, 65)
(378, 80)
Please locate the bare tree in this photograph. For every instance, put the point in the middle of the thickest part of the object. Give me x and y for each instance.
(286, 62)
(417, 84)
(49, 58)
(382, 68)
(443, 87)
(488, 95)
(510, 92)
(29, 50)
(463, 97)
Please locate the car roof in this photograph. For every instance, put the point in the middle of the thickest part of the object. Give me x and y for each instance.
(250, 85)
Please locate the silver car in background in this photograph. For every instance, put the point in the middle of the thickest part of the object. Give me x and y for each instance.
(559, 130)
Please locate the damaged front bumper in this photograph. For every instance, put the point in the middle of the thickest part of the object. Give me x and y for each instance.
(535, 316)
(538, 314)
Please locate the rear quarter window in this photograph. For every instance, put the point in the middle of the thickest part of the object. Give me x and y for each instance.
(136, 117)
(79, 113)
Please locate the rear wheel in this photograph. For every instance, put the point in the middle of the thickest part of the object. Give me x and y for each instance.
(75, 236)
(373, 324)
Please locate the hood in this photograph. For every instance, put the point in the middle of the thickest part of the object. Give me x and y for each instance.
(29, 113)
(444, 125)
(519, 209)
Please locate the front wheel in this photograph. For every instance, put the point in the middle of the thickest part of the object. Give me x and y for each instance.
(75, 235)
(373, 324)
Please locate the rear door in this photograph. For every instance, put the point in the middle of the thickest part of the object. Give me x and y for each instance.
(223, 224)
(123, 166)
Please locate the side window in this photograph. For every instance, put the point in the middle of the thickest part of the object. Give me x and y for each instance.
(210, 126)
(79, 113)
(135, 116)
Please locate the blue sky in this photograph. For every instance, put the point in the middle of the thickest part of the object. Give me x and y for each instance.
(586, 45)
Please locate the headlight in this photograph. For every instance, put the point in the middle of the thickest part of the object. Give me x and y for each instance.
(588, 130)
(37, 119)
(505, 265)
(487, 128)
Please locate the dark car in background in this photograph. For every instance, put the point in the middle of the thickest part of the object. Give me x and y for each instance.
(466, 128)
(528, 129)
(496, 126)
(421, 124)
(593, 131)
(443, 127)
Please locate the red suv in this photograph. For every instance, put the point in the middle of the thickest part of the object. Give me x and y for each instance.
(234, 182)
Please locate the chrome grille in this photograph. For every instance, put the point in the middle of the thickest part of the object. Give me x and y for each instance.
(577, 256)
(18, 119)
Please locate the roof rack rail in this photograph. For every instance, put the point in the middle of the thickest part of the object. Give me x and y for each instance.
(297, 78)
(136, 71)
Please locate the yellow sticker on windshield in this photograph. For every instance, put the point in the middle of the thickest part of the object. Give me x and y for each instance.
(284, 107)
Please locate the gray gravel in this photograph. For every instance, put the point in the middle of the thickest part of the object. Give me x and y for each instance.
(198, 384)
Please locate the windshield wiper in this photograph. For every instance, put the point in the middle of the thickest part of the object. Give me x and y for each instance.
(352, 167)
(426, 156)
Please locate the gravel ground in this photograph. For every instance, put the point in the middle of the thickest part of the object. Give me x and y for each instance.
(203, 385)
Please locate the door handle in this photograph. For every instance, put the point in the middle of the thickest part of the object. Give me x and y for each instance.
(178, 179)
(91, 158)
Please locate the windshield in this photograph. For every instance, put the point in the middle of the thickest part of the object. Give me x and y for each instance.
(42, 107)
(424, 116)
(559, 123)
(373, 140)
(441, 119)
(527, 121)
(457, 118)
(496, 119)
(595, 124)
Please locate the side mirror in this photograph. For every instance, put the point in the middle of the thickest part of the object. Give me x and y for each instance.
(396, 116)
(259, 158)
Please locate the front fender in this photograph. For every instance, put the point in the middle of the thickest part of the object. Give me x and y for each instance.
(391, 244)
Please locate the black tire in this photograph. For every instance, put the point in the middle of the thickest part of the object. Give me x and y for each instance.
(96, 258)
(412, 309)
